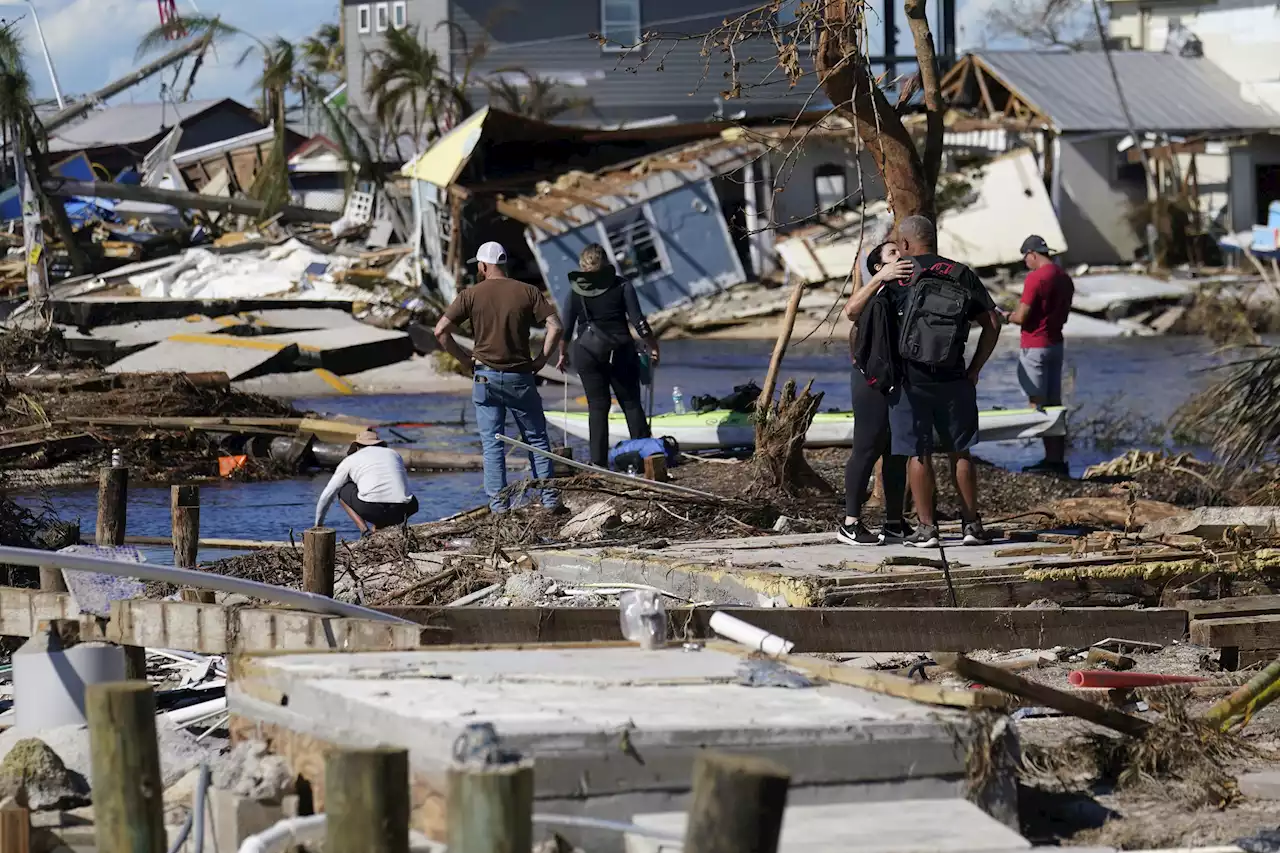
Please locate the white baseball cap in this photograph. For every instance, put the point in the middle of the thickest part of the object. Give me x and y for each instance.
(490, 253)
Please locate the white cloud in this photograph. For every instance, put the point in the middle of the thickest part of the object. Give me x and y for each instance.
(93, 42)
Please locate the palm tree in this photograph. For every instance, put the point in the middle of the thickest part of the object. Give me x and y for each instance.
(283, 73)
(410, 86)
(323, 52)
(23, 130)
(538, 98)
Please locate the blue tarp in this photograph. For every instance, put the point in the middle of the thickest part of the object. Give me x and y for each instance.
(76, 167)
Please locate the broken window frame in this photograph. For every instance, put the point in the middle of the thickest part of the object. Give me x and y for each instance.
(364, 18)
(608, 28)
(382, 17)
(399, 14)
(827, 171)
(631, 268)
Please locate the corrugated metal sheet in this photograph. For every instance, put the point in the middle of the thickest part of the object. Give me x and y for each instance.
(125, 124)
(1165, 92)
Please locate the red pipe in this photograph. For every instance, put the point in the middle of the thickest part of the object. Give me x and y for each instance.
(1107, 678)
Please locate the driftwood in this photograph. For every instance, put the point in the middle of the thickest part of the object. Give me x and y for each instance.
(779, 456)
(1121, 512)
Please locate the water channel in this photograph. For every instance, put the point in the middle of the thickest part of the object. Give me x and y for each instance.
(1115, 379)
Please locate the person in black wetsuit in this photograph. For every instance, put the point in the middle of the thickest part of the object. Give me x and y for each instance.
(871, 419)
(603, 352)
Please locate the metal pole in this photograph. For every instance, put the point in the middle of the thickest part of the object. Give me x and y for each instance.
(48, 60)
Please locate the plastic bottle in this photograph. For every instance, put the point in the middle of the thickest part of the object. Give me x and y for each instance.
(117, 458)
(677, 400)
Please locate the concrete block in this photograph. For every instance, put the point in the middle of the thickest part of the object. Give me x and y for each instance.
(235, 818)
(1210, 522)
(614, 729)
(1261, 786)
(901, 826)
(239, 358)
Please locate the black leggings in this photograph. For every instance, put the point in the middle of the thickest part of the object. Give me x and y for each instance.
(871, 442)
(619, 371)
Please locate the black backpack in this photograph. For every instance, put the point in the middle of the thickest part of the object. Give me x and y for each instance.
(873, 352)
(935, 323)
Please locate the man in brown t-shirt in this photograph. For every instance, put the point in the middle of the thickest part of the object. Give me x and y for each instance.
(502, 311)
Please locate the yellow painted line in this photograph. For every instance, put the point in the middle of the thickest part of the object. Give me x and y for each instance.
(228, 320)
(333, 381)
(228, 341)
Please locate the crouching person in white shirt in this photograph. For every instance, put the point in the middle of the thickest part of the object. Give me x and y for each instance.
(371, 484)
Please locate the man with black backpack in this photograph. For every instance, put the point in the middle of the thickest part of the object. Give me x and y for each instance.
(936, 391)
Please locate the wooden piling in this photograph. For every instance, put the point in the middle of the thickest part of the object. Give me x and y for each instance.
(319, 551)
(56, 538)
(737, 804)
(128, 796)
(113, 498)
(367, 802)
(559, 469)
(655, 468)
(491, 808)
(15, 827)
(184, 508)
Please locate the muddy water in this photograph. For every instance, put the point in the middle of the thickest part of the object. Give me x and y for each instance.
(1126, 378)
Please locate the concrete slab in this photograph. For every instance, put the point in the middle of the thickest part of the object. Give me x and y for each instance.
(349, 349)
(303, 319)
(901, 826)
(153, 331)
(1261, 786)
(798, 570)
(101, 310)
(417, 375)
(239, 358)
(613, 730)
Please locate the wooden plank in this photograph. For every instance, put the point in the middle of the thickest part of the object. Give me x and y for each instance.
(1001, 591)
(823, 629)
(887, 683)
(64, 444)
(1245, 632)
(1043, 694)
(1223, 608)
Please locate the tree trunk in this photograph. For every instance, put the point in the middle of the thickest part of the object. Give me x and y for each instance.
(779, 457)
(847, 79)
(39, 163)
(775, 361)
(934, 110)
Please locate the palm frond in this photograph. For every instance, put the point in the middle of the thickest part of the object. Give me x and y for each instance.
(196, 26)
(1240, 415)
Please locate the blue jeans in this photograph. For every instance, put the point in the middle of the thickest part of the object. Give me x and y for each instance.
(494, 393)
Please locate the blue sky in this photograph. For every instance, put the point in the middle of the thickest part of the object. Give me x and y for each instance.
(94, 41)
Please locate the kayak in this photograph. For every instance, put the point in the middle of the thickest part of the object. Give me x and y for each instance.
(722, 428)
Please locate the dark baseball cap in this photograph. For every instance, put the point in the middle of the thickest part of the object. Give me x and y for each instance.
(1035, 243)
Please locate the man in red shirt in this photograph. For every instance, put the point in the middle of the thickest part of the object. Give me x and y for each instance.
(1042, 312)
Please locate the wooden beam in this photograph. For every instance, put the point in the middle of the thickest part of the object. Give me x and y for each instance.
(1243, 632)
(985, 93)
(1133, 155)
(581, 198)
(1233, 608)
(1044, 695)
(65, 188)
(822, 629)
(514, 210)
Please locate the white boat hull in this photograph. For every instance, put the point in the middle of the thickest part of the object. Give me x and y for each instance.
(715, 430)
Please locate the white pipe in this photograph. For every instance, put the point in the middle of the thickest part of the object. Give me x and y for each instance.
(198, 711)
(290, 832)
(749, 635)
(193, 578)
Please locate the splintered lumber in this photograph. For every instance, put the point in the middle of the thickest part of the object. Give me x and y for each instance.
(893, 685)
(1042, 694)
(63, 444)
(1108, 511)
(822, 629)
(1243, 632)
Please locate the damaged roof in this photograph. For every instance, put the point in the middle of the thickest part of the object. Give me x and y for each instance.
(1165, 93)
(128, 124)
